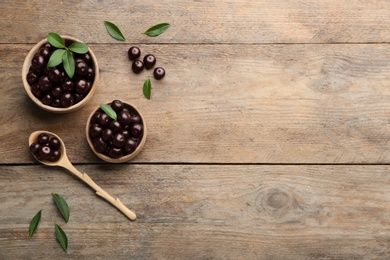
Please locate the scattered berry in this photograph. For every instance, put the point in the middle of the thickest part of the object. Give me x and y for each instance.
(149, 61)
(137, 66)
(134, 53)
(159, 73)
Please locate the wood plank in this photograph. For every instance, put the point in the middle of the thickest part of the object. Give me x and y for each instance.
(206, 21)
(226, 104)
(201, 212)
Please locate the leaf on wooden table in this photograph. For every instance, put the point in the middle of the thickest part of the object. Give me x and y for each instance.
(62, 206)
(147, 88)
(34, 223)
(114, 31)
(61, 237)
(157, 29)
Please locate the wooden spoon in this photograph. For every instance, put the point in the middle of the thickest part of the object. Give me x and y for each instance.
(65, 163)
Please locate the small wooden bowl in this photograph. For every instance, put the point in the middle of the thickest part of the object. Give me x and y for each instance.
(27, 87)
(124, 158)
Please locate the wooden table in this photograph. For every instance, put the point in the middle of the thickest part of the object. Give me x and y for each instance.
(267, 139)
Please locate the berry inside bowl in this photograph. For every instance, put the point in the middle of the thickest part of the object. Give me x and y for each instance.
(116, 131)
(51, 88)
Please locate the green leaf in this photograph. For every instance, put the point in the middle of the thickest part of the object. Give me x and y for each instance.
(56, 58)
(55, 40)
(61, 237)
(114, 31)
(157, 29)
(68, 61)
(109, 111)
(62, 206)
(147, 88)
(34, 223)
(78, 47)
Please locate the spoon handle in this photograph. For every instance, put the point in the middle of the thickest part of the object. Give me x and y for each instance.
(100, 192)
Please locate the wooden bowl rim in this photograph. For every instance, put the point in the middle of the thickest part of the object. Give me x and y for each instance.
(125, 158)
(26, 67)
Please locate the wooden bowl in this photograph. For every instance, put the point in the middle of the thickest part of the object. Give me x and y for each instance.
(124, 158)
(27, 87)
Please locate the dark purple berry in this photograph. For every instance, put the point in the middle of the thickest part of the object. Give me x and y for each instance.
(78, 97)
(55, 143)
(44, 83)
(137, 66)
(54, 75)
(107, 134)
(47, 69)
(34, 148)
(36, 91)
(56, 102)
(115, 152)
(45, 152)
(99, 145)
(89, 85)
(55, 156)
(32, 77)
(67, 86)
(78, 60)
(104, 119)
(115, 126)
(81, 68)
(125, 133)
(67, 100)
(48, 46)
(134, 53)
(124, 117)
(136, 130)
(44, 52)
(159, 73)
(130, 146)
(81, 86)
(117, 105)
(149, 61)
(90, 75)
(38, 62)
(119, 140)
(135, 119)
(87, 58)
(95, 130)
(64, 76)
(95, 117)
(46, 99)
(56, 91)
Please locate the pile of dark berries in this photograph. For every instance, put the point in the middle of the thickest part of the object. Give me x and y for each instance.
(148, 62)
(116, 138)
(46, 148)
(52, 86)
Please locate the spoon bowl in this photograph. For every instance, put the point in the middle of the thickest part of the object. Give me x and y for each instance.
(65, 163)
(63, 159)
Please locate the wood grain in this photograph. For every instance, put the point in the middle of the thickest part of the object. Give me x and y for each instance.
(267, 139)
(201, 212)
(226, 104)
(203, 21)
